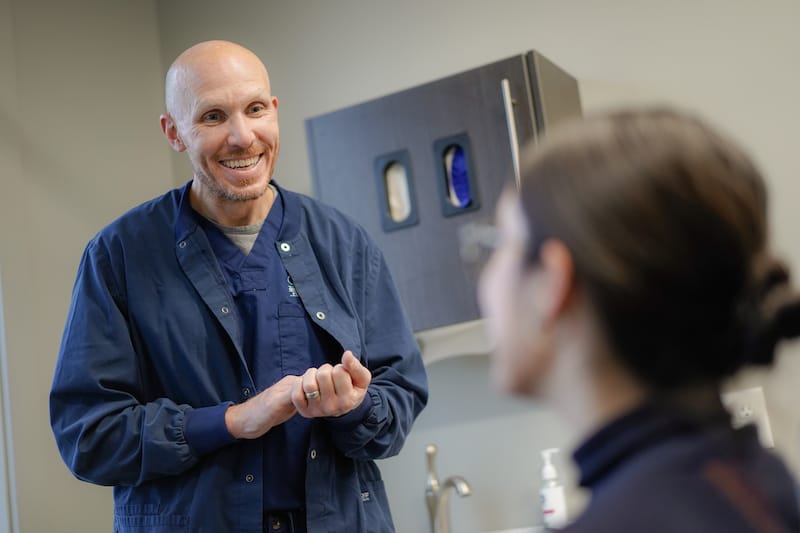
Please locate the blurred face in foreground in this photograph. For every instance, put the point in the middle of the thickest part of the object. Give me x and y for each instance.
(509, 293)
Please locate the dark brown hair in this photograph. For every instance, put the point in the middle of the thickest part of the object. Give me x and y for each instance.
(666, 221)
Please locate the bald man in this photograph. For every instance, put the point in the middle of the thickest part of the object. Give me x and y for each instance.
(235, 355)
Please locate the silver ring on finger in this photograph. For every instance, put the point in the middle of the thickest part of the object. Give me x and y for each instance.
(312, 395)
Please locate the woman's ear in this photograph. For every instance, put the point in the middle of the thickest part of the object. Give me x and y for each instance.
(557, 279)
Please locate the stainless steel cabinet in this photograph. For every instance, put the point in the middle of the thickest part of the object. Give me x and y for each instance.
(415, 166)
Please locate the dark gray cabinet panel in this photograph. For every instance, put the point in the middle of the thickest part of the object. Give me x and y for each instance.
(437, 288)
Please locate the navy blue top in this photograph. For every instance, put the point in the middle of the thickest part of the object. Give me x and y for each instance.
(153, 353)
(657, 470)
(278, 340)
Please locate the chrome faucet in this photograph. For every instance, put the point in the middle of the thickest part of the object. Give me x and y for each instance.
(437, 494)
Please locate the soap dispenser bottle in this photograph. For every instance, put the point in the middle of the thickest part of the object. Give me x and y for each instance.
(554, 505)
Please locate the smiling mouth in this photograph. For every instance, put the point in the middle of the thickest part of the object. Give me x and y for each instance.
(238, 164)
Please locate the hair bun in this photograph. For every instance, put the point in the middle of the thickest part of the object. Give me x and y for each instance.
(773, 273)
(777, 311)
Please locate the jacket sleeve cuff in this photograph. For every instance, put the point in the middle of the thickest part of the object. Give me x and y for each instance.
(349, 421)
(205, 429)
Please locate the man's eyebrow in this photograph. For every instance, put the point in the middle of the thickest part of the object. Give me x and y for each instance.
(212, 103)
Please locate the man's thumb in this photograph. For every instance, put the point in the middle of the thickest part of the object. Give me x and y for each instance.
(360, 374)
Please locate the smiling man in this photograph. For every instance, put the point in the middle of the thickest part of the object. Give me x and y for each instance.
(235, 355)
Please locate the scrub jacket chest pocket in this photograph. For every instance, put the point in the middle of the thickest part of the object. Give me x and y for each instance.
(294, 330)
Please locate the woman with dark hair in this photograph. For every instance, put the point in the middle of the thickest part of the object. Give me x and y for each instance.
(632, 274)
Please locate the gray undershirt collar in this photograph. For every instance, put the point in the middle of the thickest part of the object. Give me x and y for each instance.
(244, 237)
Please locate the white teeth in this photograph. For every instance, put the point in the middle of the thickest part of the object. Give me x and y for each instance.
(240, 163)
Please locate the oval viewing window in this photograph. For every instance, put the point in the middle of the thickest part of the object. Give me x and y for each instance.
(398, 197)
(457, 176)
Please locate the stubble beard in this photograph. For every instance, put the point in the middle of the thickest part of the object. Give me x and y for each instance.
(220, 191)
(228, 194)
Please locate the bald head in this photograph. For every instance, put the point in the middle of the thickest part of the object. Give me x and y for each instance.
(204, 64)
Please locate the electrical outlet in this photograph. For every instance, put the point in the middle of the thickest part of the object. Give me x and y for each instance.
(747, 406)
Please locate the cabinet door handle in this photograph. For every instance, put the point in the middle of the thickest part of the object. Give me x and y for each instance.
(508, 106)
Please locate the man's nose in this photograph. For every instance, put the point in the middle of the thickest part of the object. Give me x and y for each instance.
(241, 132)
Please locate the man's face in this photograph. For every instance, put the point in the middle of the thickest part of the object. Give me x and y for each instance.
(227, 122)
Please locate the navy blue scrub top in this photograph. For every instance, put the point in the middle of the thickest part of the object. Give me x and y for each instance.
(279, 339)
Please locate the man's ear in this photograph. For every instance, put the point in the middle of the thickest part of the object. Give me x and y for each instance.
(558, 284)
(170, 131)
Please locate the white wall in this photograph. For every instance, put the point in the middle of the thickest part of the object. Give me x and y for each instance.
(80, 95)
(9, 161)
(735, 61)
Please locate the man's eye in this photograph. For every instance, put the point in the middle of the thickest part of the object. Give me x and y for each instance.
(213, 116)
(257, 108)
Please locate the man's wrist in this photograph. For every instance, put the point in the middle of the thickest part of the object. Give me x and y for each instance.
(232, 421)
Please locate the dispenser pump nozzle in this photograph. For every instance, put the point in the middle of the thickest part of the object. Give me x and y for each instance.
(548, 470)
